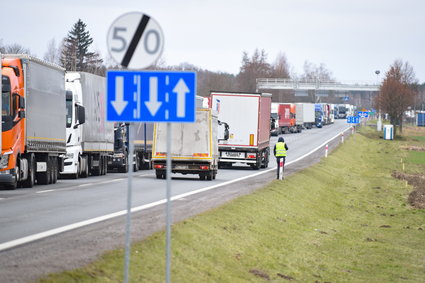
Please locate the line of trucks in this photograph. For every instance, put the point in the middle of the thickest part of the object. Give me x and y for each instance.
(53, 125)
(294, 117)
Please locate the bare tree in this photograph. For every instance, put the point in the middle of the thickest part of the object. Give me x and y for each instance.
(13, 48)
(280, 67)
(52, 54)
(397, 92)
(253, 68)
(312, 72)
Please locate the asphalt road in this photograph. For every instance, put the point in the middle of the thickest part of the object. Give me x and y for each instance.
(26, 212)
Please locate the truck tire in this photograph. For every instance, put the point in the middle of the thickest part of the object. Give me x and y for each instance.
(14, 185)
(202, 176)
(55, 170)
(210, 175)
(85, 172)
(158, 174)
(29, 182)
(136, 164)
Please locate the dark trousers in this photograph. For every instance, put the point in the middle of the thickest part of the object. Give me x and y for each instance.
(278, 164)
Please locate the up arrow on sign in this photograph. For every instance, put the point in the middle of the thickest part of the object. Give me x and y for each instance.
(181, 90)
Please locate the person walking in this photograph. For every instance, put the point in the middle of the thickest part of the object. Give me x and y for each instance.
(279, 151)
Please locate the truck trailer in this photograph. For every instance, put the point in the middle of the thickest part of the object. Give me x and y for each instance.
(33, 121)
(90, 140)
(194, 147)
(305, 114)
(288, 120)
(248, 117)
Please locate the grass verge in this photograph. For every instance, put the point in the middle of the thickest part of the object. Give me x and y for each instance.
(345, 219)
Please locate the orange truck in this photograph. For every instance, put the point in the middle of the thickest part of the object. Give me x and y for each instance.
(33, 139)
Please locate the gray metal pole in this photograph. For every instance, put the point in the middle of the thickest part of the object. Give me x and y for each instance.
(129, 202)
(168, 208)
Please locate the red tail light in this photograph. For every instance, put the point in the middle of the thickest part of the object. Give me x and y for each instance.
(204, 167)
(252, 156)
(158, 166)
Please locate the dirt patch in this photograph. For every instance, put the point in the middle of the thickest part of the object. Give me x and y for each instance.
(414, 148)
(285, 276)
(417, 196)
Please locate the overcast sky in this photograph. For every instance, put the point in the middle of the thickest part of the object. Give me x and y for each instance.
(353, 38)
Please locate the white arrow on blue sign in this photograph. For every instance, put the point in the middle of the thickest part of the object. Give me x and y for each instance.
(353, 119)
(151, 96)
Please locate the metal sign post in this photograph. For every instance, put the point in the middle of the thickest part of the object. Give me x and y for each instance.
(168, 208)
(280, 169)
(129, 201)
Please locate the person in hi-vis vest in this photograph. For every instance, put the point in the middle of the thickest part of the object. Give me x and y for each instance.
(280, 149)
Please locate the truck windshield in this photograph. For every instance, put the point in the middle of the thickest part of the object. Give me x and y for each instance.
(5, 97)
(68, 113)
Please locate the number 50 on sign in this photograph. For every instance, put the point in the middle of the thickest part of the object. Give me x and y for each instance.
(135, 40)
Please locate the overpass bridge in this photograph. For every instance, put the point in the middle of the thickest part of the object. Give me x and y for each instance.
(289, 84)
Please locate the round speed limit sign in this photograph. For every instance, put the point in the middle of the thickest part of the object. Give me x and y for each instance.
(135, 40)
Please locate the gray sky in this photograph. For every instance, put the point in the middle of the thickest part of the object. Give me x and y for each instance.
(353, 38)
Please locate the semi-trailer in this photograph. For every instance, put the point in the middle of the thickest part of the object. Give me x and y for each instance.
(194, 147)
(248, 117)
(305, 114)
(33, 121)
(90, 140)
(288, 120)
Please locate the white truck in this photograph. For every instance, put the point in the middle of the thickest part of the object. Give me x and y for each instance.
(90, 139)
(305, 114)
(248, 116)
(194, 147)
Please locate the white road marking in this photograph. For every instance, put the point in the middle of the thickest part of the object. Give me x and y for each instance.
(45, 191)
(42, 235)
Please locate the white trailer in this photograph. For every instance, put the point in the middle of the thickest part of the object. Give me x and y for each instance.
(305, 114)
(90, 139)
(248, 117)
(194, 148)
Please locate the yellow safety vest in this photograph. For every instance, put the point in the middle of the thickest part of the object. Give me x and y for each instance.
(280, 149)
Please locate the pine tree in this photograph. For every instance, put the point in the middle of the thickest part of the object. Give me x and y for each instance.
(75, 54)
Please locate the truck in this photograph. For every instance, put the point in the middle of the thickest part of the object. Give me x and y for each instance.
(33, 121)
(248, 117)
(274, 120)
(194, 147)
(305, 113)
(319, 115)
(90, 140)
(288, 120)
(341, 111)
(142, 156)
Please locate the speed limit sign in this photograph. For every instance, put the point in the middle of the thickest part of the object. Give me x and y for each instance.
(135, 40)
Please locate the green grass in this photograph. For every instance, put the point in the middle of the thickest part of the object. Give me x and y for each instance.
(343, 220)
(419, 138)
(417, 157)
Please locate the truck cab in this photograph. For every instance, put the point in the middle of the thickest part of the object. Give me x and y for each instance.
(75, 164)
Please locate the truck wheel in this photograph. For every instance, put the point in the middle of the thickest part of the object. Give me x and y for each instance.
(136, 165)
(210, 175)
(158, 174)
(14, 185)
(201, 176)
(29, 183)
(85, 172)
(55, 171)
(50, 168)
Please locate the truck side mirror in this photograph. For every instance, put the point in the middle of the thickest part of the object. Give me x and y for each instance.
(226, 132)
(81, 114)
(21, 103)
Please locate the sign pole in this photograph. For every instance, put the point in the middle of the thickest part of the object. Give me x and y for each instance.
(280, 169)
(129, 202)
(168, 208)
(1, 101)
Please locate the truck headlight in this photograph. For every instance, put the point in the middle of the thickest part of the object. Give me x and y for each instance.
(4, 161)
(69, 155)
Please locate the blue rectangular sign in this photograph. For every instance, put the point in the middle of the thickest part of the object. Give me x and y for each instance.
(353, 119)
(150, 96)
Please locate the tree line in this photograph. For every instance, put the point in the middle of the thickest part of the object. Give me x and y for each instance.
(398, 91)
